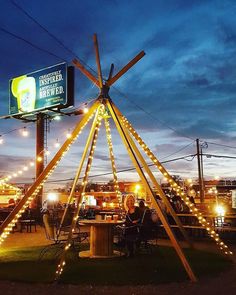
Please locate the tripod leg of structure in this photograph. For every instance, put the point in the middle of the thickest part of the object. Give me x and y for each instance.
(154, 181)
(12, 218)
(91, 134)
(156, 205)
(62, 262)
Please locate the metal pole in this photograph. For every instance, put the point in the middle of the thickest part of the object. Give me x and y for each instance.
(39, 153)
(200, 181)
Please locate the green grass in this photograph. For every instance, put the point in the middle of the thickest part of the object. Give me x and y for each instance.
(162, 266)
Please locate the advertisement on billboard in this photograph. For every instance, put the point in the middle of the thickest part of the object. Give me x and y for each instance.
(38, 90)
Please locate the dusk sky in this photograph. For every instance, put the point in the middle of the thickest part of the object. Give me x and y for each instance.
(182, 89)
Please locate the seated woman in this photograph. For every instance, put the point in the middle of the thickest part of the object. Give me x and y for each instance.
(131, 223)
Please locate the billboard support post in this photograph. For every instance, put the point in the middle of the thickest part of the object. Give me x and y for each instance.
(39, 152)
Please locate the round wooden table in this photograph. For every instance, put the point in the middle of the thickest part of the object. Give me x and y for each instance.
(101, 239)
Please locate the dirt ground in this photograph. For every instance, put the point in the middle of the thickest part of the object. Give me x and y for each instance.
(224, 284)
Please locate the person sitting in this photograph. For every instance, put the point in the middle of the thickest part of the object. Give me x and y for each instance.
(11, 203)
(132, 219)
(145, 214)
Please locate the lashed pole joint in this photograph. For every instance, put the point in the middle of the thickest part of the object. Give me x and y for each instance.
(104, 98)
(104, 86)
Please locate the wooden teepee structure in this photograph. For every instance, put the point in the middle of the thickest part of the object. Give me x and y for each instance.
(131, 140)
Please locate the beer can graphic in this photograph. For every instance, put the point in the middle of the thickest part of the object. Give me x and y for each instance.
(24, 89)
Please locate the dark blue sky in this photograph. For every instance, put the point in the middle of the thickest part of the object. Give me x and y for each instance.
(183, 89)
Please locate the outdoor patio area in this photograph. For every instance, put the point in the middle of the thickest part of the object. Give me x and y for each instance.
(144, 274)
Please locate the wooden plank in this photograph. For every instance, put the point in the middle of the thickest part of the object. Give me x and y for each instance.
(125, 68)
(98, 60)
(111, 72)
(85, 72)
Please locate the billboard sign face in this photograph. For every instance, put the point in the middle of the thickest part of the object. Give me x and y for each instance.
(38, 90)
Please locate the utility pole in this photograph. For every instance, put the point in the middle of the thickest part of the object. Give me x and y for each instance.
(200, 172)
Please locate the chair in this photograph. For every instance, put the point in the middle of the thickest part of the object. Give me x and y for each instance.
(58, 241)
(126, 238)
(147, 232)
(27, 221)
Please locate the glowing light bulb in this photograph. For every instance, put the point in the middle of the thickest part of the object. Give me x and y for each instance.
(57, 144)
(25, 132)
(68, 135)
(39, 159)
(47, 152)
(57, 118)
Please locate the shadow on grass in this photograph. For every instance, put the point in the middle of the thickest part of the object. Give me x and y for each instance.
(162, 266)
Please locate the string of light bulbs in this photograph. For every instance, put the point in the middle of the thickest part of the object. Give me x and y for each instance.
(114, 171)
(46, 151)
(24, 131)
(16, 189)
(178, 189)
(62, 263)
(20, 208)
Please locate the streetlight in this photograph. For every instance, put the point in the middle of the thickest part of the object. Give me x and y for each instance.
(52, 198)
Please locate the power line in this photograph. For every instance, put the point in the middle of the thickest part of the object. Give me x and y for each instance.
(50, 34)
(181, 149)
(61, 113)
(30, 43)
(123, 170)
(16, 129)
(69, 50)
(150, 115)
(219, 156)
(223, 145)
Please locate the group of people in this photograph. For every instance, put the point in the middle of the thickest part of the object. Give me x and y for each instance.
(138, 223)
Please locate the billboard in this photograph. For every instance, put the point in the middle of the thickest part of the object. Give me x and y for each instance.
(39, 90)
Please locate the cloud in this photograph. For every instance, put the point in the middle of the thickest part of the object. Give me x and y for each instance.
(182, 89)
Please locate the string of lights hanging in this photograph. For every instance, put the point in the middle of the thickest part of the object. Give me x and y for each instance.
(178, 189)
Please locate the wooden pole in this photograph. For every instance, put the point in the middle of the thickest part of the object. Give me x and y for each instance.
(98, 60)
(163, 218)
(125, 68)
(85, 72)
(91, 134)
(156, 184)
(34, 189)
(76, 213)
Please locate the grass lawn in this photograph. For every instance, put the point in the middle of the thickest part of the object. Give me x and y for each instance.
(162, 266)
